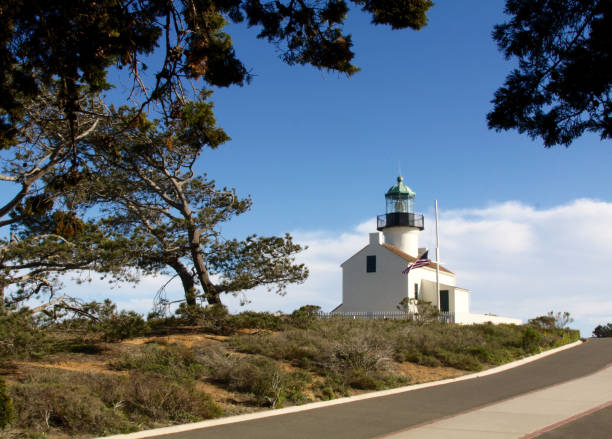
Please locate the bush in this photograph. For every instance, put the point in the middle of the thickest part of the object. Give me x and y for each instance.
(305, 316)
(551, 321)
(532, 340)
(603, 331)
(52, 400)
(92, 404)
(157, 399)
(126, 324)
(349, 352)
(256, 320)
(174, 361)
(6, 406)
(192, 314)
(20, 335)
(262, 377)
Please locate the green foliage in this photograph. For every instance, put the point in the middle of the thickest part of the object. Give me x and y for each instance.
(6, 406)
(425, 312)
(350, 353)
(561, 87)
(173, 361)
(305, 316)
(192, 314)
(531, 340)
(550, 321)
(158, 399)
(126, 324)
(256, 261)
(100, 404)
(64, 404)
(358, 353)
(603, 331)
(172, 216)
(257, 320)
(269, 384)
(20, 335)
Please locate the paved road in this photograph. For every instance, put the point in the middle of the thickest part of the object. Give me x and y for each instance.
(594, 426)
(384, 415)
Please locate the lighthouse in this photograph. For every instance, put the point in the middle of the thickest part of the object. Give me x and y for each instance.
(373, 279)
(400, 224)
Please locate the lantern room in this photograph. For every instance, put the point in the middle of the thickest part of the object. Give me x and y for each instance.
(400, 208)
(400, 198)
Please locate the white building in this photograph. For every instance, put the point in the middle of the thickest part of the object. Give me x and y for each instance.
(372, 279)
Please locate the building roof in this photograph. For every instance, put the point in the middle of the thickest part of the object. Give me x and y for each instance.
(400, 189)
(409, 258)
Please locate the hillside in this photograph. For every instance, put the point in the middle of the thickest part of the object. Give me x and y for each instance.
(77, 379)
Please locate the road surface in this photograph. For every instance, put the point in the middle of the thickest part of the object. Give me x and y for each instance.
(388, 415)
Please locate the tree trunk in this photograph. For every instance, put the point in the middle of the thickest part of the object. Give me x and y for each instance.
(186, 279)
(210, 291)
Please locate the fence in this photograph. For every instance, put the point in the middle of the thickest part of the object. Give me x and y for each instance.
(448, 317)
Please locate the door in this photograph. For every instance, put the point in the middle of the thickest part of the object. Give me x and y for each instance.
(444, 301)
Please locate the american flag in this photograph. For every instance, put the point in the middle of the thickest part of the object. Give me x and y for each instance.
(422, 261)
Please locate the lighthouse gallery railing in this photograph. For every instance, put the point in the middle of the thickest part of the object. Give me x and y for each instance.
(400, 219)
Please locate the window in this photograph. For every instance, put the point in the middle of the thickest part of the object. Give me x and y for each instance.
(371, 264)
(416, 291)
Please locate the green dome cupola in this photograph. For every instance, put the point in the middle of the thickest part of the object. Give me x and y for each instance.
(399, 198)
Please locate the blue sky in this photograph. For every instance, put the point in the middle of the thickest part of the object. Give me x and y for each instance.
(317, 151)
(324, 147)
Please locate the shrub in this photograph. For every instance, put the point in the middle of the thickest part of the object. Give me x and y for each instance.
(427, 312)
(546, 322)
(353, 353)
(531, 340)
(213, 319)
(174, 361)
(52, 400)
(126, 324)
(20, 335)
(191, 314)
(305, 316)
(260, 376)
(161, 400)
(550, 321)
(6, 406)
(603, 331)
(93, 404)
(256, 320)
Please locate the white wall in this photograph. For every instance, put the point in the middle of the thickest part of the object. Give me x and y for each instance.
(461, 300)
(379, 291)
(404, 238)
(469, 318)
(447, 282)
(385, 289)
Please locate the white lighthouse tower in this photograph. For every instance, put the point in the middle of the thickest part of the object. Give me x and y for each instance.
(400, 225)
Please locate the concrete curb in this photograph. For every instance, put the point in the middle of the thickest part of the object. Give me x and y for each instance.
(316, 405)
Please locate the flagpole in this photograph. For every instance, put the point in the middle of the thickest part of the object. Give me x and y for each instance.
(408, 293)
(437, 261)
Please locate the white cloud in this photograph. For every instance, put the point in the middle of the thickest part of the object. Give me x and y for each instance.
(517, 260)
(524, 262)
